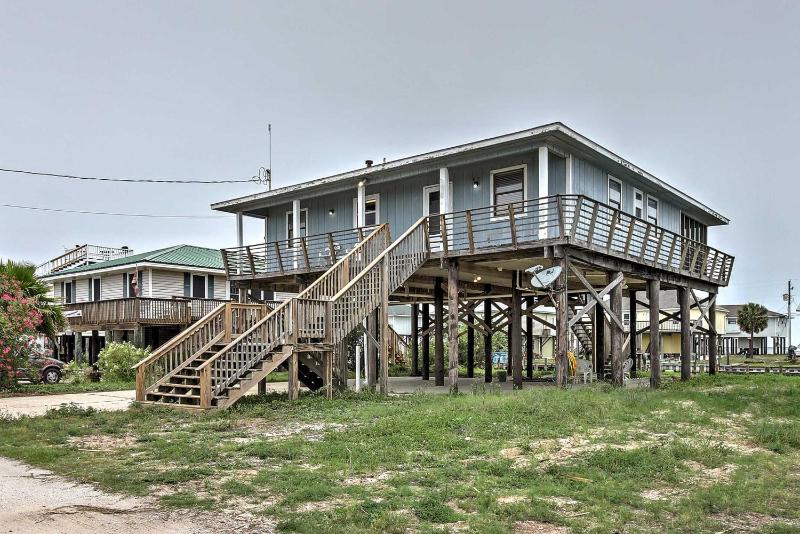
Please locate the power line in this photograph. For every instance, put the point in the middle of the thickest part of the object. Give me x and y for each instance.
(82, 212)
(254, 179)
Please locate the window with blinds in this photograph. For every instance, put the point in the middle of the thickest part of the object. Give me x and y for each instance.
(508, 186)
(693, 229)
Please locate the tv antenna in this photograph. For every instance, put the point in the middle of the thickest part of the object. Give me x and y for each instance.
(265, 173)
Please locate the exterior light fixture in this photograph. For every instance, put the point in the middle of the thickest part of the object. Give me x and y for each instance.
(475, 184)
(331, 211)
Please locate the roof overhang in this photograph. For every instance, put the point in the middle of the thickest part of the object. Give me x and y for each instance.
(131, 267)
(556, 132)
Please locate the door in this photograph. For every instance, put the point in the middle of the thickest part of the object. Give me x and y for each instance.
(431, 206)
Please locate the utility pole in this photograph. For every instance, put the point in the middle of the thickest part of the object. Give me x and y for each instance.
(789, 309)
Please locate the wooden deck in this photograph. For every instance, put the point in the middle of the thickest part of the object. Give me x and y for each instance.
(574, 220)
(129, 313)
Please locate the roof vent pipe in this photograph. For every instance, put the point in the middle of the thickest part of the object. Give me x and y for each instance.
(368, 163)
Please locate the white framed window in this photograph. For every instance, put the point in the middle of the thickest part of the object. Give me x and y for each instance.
(303, 224)
(652, 210)
(68, 292)
(626, 318)
(614, 193)
(506, 186)
(94, 289)
(198, 286)
(638, 203)
(372, 210)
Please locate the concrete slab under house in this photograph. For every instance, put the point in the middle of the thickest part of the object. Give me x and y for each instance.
(452, 234)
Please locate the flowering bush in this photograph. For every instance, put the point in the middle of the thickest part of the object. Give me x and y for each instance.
(19, 319)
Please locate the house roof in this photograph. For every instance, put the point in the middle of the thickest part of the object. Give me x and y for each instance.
(179, 255)
(734, 310)
(557, 131)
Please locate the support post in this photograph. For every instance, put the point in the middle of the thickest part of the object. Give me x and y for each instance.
(470, 346)
(415, 339)
(78, 349)
(686, 333)
(294, 379)
(654, 290)
(617, 378)
(528, 338)
(438, 320)
(562, 325)
(371, 354)
(599, 346)
(712, 337)
(426, 341)
(327, 372)
(262, 386)
(452, 324)
(544, 169)
(384, 326)
(632, 344)
(515, 342)
(487, 339)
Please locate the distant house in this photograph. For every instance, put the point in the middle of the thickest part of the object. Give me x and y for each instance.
(144, 298)
(771, 340)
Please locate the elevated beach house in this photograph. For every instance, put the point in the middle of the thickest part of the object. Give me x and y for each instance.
(112, 294)
(441, 232)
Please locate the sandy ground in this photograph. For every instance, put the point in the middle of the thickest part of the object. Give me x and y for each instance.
(37, 501)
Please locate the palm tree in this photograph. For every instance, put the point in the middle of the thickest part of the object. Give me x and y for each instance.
(36, 290)
(752, 318)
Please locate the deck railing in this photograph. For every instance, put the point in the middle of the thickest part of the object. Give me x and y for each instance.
(139, 310)
(580, 220)
(81, 255)
(310, 253)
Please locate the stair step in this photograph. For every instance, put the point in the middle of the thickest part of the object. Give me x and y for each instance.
(174, 395)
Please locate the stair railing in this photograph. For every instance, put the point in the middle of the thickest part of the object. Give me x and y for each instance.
(300, 316)
(379, 279)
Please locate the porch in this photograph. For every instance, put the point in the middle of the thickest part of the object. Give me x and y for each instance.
(132, 313)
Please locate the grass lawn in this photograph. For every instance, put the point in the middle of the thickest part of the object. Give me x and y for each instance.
(24, 390)
(717, 454)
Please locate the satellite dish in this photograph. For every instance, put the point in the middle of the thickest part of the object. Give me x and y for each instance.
(543, 278)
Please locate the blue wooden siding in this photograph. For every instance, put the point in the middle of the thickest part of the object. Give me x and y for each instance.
(401, 200)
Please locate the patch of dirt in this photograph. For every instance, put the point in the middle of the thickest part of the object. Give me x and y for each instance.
(706, 476)
(511, 499)
(751, 522)
(538, 527)
(99, 443)
(515, 453)
(323, 506)
(260, 430)
(563, 503)
(662, 494)
(367, 480)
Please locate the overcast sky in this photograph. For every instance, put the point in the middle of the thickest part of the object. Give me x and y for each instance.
(702, 94)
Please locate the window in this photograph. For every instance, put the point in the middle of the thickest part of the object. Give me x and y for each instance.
(372, 213)
(131, 284)
(303, 224)
(614, 193)
(693, 230)
(508, 185)
(198, 286)
(68, 292)
(638, 204)
(626, 318)
(652, 210)
(94, 289)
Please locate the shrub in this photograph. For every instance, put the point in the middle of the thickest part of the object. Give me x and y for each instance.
(76, 373)
(501, 375)
(116, 361)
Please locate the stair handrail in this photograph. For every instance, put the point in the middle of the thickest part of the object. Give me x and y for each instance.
(364, 292)
(238, 356)
(178, 349)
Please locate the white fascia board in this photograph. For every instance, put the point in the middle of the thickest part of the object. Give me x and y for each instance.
(132, 267)
(553, 128)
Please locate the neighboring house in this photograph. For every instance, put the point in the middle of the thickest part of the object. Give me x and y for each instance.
(144, 298)
(772, 340)
(670, 329)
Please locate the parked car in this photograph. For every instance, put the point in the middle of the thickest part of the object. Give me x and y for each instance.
(41, 369)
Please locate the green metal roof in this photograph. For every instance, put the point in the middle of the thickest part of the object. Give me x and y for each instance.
(182, 255)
